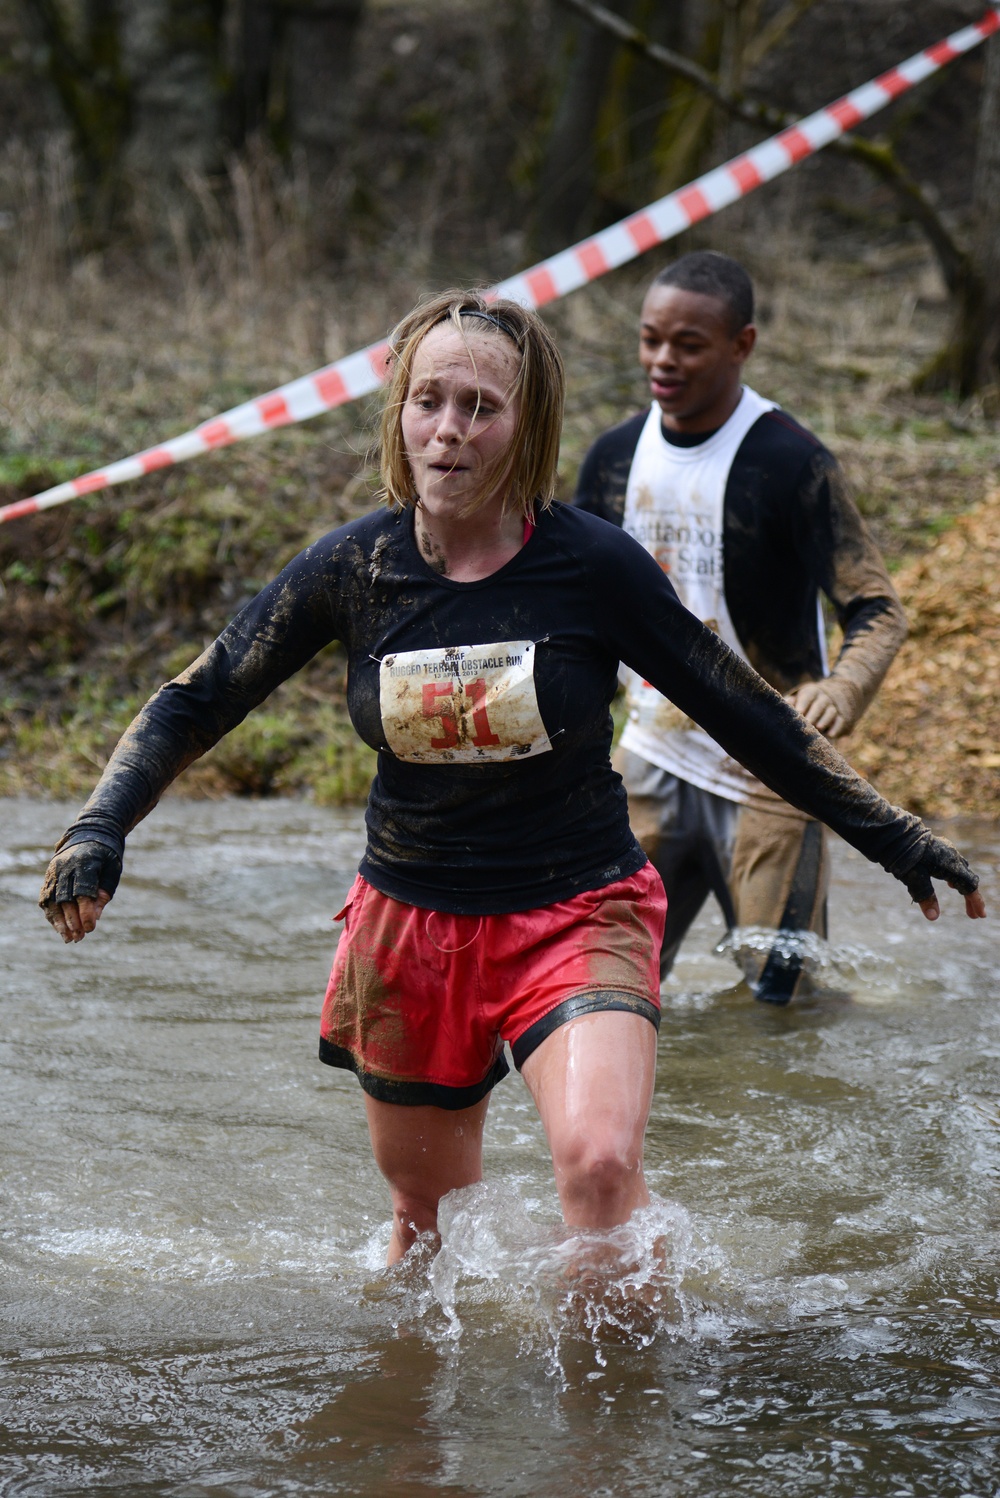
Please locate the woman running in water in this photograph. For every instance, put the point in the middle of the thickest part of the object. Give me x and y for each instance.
(502, 896)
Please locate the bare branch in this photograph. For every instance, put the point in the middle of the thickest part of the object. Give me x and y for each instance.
(774, 33)
(674, 62)
(878, 156)
(750, 111)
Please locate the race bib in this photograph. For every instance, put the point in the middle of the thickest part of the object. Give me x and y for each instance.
(467, 704)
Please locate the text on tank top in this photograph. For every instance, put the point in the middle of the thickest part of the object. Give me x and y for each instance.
(674, 507)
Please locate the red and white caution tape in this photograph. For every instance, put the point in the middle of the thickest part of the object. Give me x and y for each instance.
(358, 374)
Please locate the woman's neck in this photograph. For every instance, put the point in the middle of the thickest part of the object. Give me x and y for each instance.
(467, 548)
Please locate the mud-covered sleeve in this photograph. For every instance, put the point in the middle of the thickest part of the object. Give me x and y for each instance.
(842, 557)
(269, 640)
(651, 631)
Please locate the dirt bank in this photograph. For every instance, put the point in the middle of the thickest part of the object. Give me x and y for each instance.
(932, 738)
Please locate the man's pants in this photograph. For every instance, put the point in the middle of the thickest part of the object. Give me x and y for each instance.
(769, 871)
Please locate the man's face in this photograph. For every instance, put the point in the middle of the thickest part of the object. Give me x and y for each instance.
(692, 358)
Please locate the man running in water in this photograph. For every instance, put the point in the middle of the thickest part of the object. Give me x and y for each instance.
(749, 515)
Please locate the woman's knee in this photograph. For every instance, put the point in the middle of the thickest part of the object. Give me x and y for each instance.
(599, 1171)
(413, 1215)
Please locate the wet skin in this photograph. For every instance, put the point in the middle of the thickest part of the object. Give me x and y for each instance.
(75, 918)
(458, 421)
(592, 1083)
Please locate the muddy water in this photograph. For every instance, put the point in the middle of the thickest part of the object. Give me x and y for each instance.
(192, 1231)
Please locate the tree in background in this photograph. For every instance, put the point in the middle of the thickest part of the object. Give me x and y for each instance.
(620, 134)
(970, 360)
(738, 34)
(291, 74)
(82, 52)
(475, 118)
(153, 90)
(567, 179)
(735, 38)
(987, 201)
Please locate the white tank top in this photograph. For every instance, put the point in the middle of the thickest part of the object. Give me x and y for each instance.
(674, 508)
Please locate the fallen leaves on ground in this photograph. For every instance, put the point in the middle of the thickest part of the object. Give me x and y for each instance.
(931, 740)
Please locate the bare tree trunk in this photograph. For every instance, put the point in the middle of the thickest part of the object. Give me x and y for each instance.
(644, 97)
(731, 37)
(971, 358)
(154, 90)
(291, 66)
(569, 167)
(319, 42)
(172, 51)
(689, 119)
(86, 71)
(628, 123)
(986, 210)
(255, 104)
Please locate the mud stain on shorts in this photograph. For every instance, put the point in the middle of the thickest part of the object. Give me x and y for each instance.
(365, 1011)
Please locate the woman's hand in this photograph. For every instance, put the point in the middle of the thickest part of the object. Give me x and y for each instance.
(942, 860)
(78, 884)
(74, 918)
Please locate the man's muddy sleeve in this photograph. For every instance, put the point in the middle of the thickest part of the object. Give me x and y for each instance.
(654, 634)
(848, 567)
(277, 632)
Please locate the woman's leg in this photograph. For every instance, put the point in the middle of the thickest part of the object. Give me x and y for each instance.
(592, 1082)
(424, 1153)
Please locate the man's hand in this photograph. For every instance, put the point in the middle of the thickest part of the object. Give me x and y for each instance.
(832, 705)
(78, 884)
(942, 860)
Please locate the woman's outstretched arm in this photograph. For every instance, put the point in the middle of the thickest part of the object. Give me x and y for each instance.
(654, 634)
(269, 640)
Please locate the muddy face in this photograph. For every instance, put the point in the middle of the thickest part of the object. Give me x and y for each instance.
(459, 419)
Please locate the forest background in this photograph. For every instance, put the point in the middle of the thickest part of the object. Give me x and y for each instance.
(201, 199)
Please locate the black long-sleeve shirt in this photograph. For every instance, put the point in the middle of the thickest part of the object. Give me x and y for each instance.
(790, 528)
(490, 797)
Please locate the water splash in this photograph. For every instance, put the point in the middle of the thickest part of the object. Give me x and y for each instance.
(827, 965)
(630, 1285)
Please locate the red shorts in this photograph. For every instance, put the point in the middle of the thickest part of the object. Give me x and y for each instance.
(420, 1003)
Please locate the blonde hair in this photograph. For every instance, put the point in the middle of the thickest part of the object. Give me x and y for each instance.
(527, 471)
